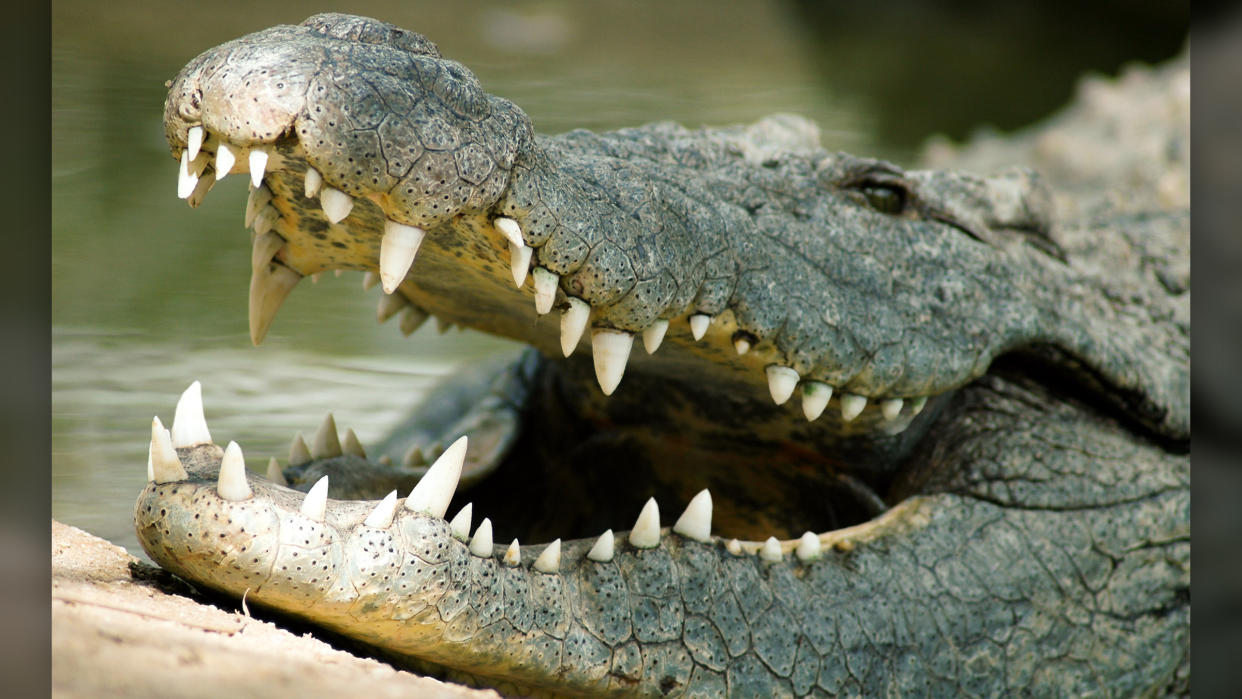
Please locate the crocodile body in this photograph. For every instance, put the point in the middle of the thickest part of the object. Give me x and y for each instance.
(984, 490)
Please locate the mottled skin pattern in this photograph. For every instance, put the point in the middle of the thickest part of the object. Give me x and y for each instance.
(1038, 536)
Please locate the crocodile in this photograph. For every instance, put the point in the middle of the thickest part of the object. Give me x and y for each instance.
(981, 488)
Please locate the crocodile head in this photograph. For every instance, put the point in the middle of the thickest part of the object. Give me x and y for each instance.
(909, 311)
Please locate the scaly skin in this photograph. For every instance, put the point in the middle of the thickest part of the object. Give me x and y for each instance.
(1038, 536)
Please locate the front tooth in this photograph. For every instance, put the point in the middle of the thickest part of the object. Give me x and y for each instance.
(194, 140)
(351, 445)
(225, 158)
(742, 345)
(815, 396)
(269, 287)
(513, 554)
(698, 325)
(259, 197)
(460, 526)
(917, 406)
(231, 484)
(573, 323)
(781, 382)
(412, 319)
(602, 551)
(653, 335)
(611, 351)
(646, 531)
(891, 408)
(771, 550)
(389, 305)
(696, 522)
(852, 406)
(265, 247)
(481, 543)
(545, 289)
(165, 465)
(315, 504)
(314, 181)
(299, 453)
(369, 280)
(186, 180)
(550, 560)
(397, 249)
(258, 163)
(809, 547)
(189, 426)
(336, 204)
(510, 229)
(435, 489)
(519, 262)
(326, 444)
(274, 473)
(383, 513)
(265, 219)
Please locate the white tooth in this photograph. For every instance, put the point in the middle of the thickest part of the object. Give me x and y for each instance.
(815, 396)
(781, 382)
(189, 426)
(265, 219)
(369, 280)
(573, 323)
(696, 522)
(545, 289)
(326, 444)
(314, 181)
(646, 531)
(269, 287)
(550, 560)
(299, 453)
(205, 183)
(435, 489)
(734, 547)
(259, 197)
(351, 445)
(771, 550)
(513, 554)
(258, 163)
(509, 229)
(383, 513)
(412, 318)
(165, 465)
(265, 247)
(851, 406)
(460, 526)
(917, 405)
(389, 305)
(338, 272)
(316, 277)
(742, 345)
(519, 262)
(186, 180)
(891, 408)
(194, 139)
(150, 466)
(481, 542)
(336, 204)
(231, 484)
(397, 249)
(809, 547)
(653, 335)
(225, 158)
(315, 504)
(611, 351)
(698, 325)
(274, 473)
(602, 551)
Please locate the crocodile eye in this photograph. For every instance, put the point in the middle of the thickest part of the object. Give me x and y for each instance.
(885, 198)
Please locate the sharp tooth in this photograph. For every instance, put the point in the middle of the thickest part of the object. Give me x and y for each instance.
(545, 289)
(742, 345)
(809, 547)
(258, 163)
(815, 396)
(316, 277)
(150, 465)
(205, 183)
(698, 325)
(231, 484)
(274, 473)
(389, 305)
(917, 405)
(509, 229)
(384, 460)
(891, 408)
(696, 522)
(611, 350)
(336, 204)
(519, 262)
(397, 249)
(315, 504)
(259, 197)
(435, 489)
(314, 181)
(165, 466)
(573, 323)
(443, 326)
(653, 335)
(602, 551)
(265, 247)
(413, 457)
(513, 554)
(646, 531)
(383, 513)
(481, 542)
(550, 560)
(734, 547)
(189, 426)
(186, 180)
(460, 526)
(781, 382)
(269, 287)
(326, 443)
(851, 406)
(299, 453)
(771, 550)
(351, 445)
(194, 140)
(265, 219)
(225, 158)
(369, 280)
(412, 318)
